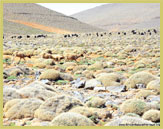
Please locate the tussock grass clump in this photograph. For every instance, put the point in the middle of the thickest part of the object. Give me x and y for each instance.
(136, 106)
(50, 74)
(96, 102)
(152, 115)
(71, 119)
(139, 78)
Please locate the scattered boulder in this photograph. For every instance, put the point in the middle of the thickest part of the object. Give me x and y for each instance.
(71, 119)
(91, 84)
(121, 88)
(100, 89)
(56, 105)
(79, 83)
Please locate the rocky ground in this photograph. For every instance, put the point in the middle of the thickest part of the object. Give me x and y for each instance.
(89, 80)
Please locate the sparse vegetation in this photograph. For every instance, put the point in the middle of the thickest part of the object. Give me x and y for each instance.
(93, 78)
(62, 82)
(12, 77)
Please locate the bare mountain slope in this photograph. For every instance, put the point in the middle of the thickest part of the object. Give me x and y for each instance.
(122, 16)
(34, 14)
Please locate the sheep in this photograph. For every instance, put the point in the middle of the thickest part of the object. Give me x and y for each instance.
(58, 57)
(155, 31)
(74, 57)
(49, 51)
(47, 56)
(21, 55)
(29, 53)
(19, 37)
(8, 52)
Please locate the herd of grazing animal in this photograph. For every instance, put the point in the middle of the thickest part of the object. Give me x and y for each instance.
(47, 55)
(73, 57)
(50, 56)
(26, 36)
(101, 34)
(148, 32)
(68, 57)
(97, 34)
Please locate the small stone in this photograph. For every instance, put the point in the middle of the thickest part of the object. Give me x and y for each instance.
(78, 83)
(100, 89)
(91, 84)
(121, 88)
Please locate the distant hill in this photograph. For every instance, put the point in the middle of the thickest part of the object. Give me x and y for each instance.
(119, 16)
(24, 18)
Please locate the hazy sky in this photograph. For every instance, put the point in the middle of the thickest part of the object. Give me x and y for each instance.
(70, 8)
